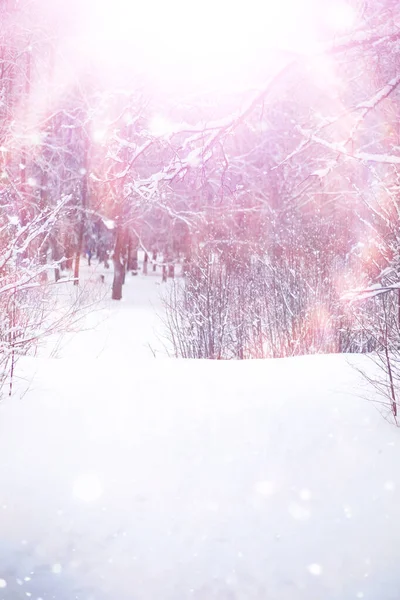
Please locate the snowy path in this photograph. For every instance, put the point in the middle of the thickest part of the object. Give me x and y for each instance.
(129, 477)
(131, 327)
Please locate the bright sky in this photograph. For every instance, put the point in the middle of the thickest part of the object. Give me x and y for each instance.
(205, 37)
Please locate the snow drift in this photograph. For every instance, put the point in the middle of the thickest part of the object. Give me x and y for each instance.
(194, 479)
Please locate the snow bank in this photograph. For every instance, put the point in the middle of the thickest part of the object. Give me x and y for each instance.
(124, 476)
(173, 479)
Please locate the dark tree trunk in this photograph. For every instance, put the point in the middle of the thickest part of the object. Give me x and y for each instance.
(43, 261)
(171, 270)
(187, 260)
(164, 273)
(132, 260)
(145, 263)
(119, 268)
(78, 255)
(44, 246)
(154, 260)
(118, 279)
(82, 215)
(129, 254)
(398, 308)
(56, 254)
(68, 263)
(135, 261)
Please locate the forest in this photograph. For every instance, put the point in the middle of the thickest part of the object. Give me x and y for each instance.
(199, 299)
(271, 192)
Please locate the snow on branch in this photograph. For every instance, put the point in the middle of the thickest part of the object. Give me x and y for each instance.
(380, 95)
(339, 147)
(372, 291)
(361, 39)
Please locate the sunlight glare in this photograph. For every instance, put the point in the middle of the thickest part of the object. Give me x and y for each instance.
(99, 135)
(202, 35)
(160, 126)
(340, 16)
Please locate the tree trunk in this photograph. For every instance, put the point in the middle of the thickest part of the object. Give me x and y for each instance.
(43, 261)
(145, 263)
(24, 211)
(118, 279)
(82, 215)
(128, 254)
(398, 309)
(119, 269)
(68, 263)
(134, 261)
(56, 255)
(154, 261)
(78, 254)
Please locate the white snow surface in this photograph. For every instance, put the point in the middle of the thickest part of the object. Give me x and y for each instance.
(127, 474)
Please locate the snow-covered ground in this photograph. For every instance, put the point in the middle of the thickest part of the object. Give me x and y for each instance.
(128, 475)
(113, 329)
